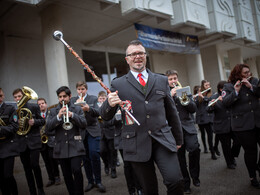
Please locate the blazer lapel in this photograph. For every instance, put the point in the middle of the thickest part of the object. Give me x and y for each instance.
(150, 82)
(130, 78)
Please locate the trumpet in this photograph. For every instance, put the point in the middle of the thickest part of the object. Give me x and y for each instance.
(67, 125)
(201, 92)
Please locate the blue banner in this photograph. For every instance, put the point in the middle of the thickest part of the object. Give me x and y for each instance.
(162, 40)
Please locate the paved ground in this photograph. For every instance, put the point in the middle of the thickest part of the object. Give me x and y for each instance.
(215, 179)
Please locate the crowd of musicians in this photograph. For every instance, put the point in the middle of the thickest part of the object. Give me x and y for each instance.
(156, 126)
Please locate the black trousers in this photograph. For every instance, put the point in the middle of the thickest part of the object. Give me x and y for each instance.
(73, 177)
(230, 146)
(131, 179)
(248, 139)
(30, 161)
(8, 184)
(108, 153)
(51, 164)
(208, 128)
(167, 163)
(191, 144)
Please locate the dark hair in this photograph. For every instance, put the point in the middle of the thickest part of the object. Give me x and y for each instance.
(171, 72)
(196, 89)
(81, 83)
(221, 85)
(41, 99)
(65, 89)
(202, 88)
(1, 89)
(17, 91)
(134, 42)
(102, 93)
(236, 73)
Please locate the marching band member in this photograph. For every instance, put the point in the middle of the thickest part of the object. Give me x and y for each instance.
(222, 127)
(30, 145)
(69, 147)
(203, 118)
(240, 94)
(92, 163)
(191, 143)
(8, 146)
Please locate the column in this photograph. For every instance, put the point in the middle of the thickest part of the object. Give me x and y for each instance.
(235, 57)
(54, 51)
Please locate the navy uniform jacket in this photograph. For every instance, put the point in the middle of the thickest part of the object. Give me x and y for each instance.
(91, 116)
(245, 107)
(185, 114)
(68, 143)
(155, 111)
(108, 128)
(222, 116)
(10, 145)
(33, 138)
(202, 116)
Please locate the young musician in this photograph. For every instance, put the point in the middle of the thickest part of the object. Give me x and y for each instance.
(240, 94)
(92, 162)
(69, 147)
(30, 145)
(8, 146)
(159, 134)
(191, 143)
(51, 164)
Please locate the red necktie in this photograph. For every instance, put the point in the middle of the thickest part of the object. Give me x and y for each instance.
(43, 115)
(141, 80)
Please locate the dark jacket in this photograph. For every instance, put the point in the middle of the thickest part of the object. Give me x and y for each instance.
(222, 116)
(9, 146)
(245, 107)
(91, 116)
(68, 143)
(202, 116)
(155, 111)
(33, 139)
(185, 114)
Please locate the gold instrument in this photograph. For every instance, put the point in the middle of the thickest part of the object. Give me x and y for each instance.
(2, 123)
(44, 137)
(67, 125)
(184, 99)
(177, 85)
(25, 114)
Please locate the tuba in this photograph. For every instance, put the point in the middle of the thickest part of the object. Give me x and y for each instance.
(2, 123)
(25, 114)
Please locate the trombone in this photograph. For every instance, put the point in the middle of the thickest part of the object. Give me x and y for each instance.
(67, 125)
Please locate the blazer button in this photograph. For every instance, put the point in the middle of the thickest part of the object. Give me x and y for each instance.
(147, 116)
(149, 132)
(146, 102)
(247, 94)
(66, 142)
(249, 102)
(65, 133)
(252, 111)
(26, 136)
(127, 136)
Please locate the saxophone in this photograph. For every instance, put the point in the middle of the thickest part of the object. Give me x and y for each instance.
(25, 114)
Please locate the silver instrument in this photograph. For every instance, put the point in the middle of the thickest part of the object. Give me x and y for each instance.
(67, 125)
(213, 102)
(201, 92)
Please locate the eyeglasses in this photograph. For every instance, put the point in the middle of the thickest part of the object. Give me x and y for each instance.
(134, 55)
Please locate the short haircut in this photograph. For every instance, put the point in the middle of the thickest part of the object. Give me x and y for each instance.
(134, 42)
(81, 83)
(221, 85)
(39, 99)
(171, 72)
(102, 93)
(65, 89)
(17, 91)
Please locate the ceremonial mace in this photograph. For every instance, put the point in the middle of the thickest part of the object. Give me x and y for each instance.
(125, 105)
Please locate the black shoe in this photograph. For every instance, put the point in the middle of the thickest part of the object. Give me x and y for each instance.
(57, 181)
(50, 183)
(213, 156)
(106, 170)
(40, 191)
(217, 151)
(255, 183)
(196, 182)
(206, 150)
(132, 193)
(187, 190)
(89, 187)
(100, 187)
(113, 173)
(139, 192)
(231, 166)
(234, 162)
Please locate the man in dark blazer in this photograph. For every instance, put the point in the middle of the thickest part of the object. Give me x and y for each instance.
(92, 136)
(30, 145)
(159, 135)
(190, 134)
(9, 146)
(69, 147)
